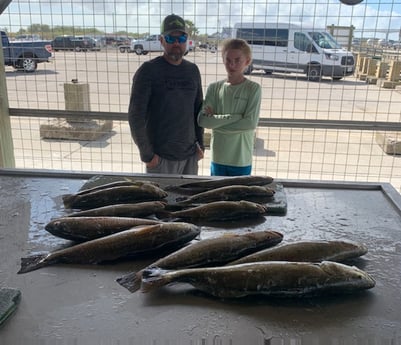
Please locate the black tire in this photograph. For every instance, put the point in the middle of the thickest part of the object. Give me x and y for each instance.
(314, 73)
(144, 52)
(122, 49)
(28, 64)
(138, 50)
(77, 49)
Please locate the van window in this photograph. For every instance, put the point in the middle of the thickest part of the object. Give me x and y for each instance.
(264, 37)
(303, 43)
(324, 40)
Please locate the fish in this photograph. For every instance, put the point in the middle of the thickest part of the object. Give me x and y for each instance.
(202, 186)
(208, 252)
(140, 209)
(120, 183)
(80, 229)
(311, 251)
(114, 195)
(221, 211)
(270, 278)
(230, 193)
(128, 243)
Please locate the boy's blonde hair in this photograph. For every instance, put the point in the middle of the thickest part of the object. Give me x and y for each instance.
(236, 43)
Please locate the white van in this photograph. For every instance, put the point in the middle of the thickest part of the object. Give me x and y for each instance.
(288, 48)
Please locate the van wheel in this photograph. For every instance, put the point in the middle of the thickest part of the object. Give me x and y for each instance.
(138, 50)
(314, 73)
(248, 70)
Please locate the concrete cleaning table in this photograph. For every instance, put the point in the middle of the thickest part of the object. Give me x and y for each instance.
(83, 304)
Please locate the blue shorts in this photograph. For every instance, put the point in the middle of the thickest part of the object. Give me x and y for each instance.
(228, 170)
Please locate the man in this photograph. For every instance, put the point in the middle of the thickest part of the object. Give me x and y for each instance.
(165, 100)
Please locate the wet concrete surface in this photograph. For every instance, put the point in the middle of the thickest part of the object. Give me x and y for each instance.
(83, 304)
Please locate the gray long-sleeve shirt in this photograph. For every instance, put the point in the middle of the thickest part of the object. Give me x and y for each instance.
(165, 101)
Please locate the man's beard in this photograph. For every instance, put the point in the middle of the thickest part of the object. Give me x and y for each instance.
(176, 56)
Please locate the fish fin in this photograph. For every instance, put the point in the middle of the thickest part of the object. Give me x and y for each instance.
(131, 281)
(33, 263)
(153, 278)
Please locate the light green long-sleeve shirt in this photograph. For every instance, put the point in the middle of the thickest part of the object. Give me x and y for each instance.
(236, 115)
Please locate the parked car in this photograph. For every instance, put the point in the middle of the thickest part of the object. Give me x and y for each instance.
(146, 45)
(96, 44)
(385, 43)
(25, 55)
(396, 45)
(33, 37)
(73, 43)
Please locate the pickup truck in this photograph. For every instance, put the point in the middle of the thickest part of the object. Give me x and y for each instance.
(149, 44)
(25, 55)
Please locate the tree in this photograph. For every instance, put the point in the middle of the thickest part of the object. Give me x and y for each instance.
(192, 29)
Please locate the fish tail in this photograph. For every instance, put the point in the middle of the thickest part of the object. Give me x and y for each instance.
(153, 278)
(131, 281)
(68, 200)
(33, 263)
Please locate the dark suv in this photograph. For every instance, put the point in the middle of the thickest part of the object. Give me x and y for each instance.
(73, 43)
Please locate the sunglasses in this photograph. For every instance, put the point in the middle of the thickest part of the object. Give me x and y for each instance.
(172, 39)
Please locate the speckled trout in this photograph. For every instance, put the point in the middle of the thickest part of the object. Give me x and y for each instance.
(139, 209)
(312, 251)
(136, 241)
(201, 186)
(230, 193)
(208, 252)
(274, 278)
(80, 229)
(222, 210)
(114, 195)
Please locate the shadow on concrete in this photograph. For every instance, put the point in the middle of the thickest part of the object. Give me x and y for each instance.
(19, 73)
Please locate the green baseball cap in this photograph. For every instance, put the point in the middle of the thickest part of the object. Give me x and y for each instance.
(173, 23)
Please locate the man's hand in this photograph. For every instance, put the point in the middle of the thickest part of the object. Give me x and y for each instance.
(199, 152)
(154, 162)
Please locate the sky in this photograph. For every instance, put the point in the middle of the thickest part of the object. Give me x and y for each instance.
(371, 18)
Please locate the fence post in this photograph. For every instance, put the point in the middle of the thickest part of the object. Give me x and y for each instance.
(7, 159)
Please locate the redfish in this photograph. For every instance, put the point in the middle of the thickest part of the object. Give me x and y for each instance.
(222, 210)
(135, 241)
(82, 229)
(139, 209)
(230, 193)
(114, 195)
(211, 251)
(274, 279)
(201, 186)
(312, 251)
